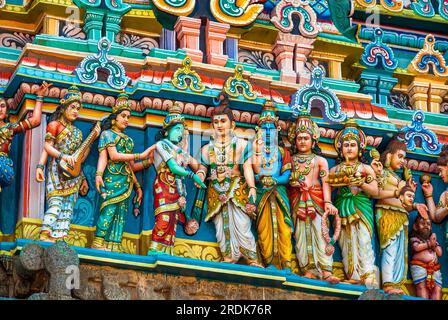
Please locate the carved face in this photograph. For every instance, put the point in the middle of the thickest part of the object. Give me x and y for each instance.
(269, 133)
(397, 159)
(407, 198)
(304, 142)
(350, 150)
(175, 134)
(72, 111)
(423, 227)
(3, 109)
(222, 125)
(122, 120)
(443, 173)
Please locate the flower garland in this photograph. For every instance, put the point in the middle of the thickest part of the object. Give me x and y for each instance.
(329, 248)
(223, 188)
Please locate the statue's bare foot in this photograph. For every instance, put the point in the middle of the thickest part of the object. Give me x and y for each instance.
(309, 275)
(46, 238)
(228, 259)
(331, 278)
(392, 290)
(352, 281)
(255, 264)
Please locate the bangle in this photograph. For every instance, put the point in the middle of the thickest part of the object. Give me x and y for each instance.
(427, 196)
(190, 174)
(396, 193)
(328, 202)
(136, 156)
(137, 185)
(99, 174)
(201, 171)
(146, 163)
(253, 188)
(40, 166)
(61, 154)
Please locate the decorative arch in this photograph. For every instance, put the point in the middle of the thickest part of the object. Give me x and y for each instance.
(302, 100)
(282, 15)
(430, 144)
(428, 59)
(378, 54)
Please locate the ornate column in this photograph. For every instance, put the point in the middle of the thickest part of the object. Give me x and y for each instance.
(369, 85)
(32, 193)
(188, 31)
(418, 95)
(232, 48)
(436, 94)
(168, 39)
(51, 26)
(284, 55)
(93, 24)
(304, 46)
(215, 35)
(112, 23)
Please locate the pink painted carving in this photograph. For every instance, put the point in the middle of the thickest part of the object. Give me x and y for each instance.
(215, 34)
(188, 31)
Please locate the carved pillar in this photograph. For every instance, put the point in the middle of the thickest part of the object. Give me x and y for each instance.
(32, 193)
(304, 46)
(215, 35)
(418, 94)
(385, 86)
(188, 32)
(93, 24)
(112, 24)
(369, 85)
(284, 56)
(168, 39)
(51, 26)
(436, 94)
(335, 69)
(232, 48)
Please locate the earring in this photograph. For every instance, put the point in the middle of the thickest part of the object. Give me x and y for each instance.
(114, 122)
(166, 134)
(360, 154)
(387, 163)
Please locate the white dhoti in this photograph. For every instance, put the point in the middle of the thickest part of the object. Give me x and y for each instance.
(357, 251)
(394, 260)
(310, 245)
(234, 234)
(420, 274)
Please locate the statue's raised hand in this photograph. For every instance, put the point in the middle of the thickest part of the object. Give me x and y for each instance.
(43, 89)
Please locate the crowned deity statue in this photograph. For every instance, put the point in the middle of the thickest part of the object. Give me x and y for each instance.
(9, 129)
(356, 183)
(231, 192)
(310, 197)
(272, 167)
(115, 178)
(391, 215)
(171, 159)
(65, 179)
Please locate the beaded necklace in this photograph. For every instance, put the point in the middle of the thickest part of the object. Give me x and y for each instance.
(299, 175)
(225, 168)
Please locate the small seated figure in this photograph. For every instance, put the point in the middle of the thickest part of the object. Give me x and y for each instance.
(425, 267)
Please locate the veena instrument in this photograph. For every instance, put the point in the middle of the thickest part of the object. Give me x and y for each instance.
(71, 172)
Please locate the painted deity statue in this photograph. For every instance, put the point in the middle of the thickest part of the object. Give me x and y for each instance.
(227, 158)
(424, 264)
(356, 183)
(438, 212)
(272, 168)
(170, 161)
(115, 178)
(62, 140)
(391, 216)
(310, 197)
(9, 129)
